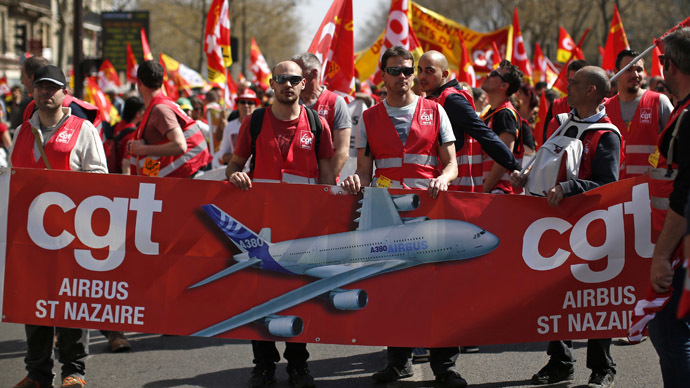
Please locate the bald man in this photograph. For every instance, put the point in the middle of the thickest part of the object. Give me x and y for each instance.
(599, 165)
(471, 134)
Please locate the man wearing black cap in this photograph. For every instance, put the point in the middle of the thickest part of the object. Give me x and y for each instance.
(55, 139)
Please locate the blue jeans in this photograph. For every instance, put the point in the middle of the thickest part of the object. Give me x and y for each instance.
(671, 338)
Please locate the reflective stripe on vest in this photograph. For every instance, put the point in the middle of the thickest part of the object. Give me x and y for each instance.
(289, 178)
(388, 163)
(661, 175)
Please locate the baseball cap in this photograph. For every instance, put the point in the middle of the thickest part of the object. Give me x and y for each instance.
(184, 103)
(248, 94)
(50, 73)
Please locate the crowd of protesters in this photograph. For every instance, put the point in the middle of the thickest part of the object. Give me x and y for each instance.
(480, 140)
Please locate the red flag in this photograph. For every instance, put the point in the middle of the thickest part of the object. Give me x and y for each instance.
(169, 84)
(497, 55)
(399, 32)
(107, 76)
(145, 46)
(541, 117)
(466, 70)
(519, 57)
(259, 66)
(615, 42)
(334, 45)
(539, 63)
(659, 41)
(217, 41)
(656, 64)
(100, 100)
(567, 47)
(4, 86)
(131, 65)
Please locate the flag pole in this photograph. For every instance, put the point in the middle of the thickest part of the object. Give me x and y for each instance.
(682, 24)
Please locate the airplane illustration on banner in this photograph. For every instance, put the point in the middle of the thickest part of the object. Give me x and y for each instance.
(383, 242)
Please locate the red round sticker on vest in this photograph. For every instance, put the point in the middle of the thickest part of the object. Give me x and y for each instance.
(306, 140)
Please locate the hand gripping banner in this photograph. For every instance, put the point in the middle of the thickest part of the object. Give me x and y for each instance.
(308, 263)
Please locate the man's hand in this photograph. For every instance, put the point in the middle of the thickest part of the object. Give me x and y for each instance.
(517, 179)
(437, 185)
(352, 184)
(136, 147)
(241, 180)
(555, 195)
(661, 274)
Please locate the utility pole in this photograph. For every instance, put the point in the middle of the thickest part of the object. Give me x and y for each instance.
(77, 49)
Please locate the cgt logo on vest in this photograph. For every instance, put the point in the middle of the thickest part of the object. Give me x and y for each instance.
(114, 239)
(426, 117)
(305, 140)
(646, 115)
(613, 248)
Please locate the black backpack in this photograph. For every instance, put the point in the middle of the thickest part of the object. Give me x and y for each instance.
(258, 118)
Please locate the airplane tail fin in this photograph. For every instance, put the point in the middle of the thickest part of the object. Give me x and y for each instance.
(244, 238)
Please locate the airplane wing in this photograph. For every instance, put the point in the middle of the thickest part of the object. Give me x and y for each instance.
(230, 270)
(378, 210)
(301, 295)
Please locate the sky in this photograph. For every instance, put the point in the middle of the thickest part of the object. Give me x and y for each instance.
(316, 11)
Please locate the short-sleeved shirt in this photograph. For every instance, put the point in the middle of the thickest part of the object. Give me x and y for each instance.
(161, 121)
(285, 132)
(504, 121)
(402, 121)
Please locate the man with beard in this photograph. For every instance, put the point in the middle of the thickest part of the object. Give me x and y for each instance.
(639, 114)
(285, 150)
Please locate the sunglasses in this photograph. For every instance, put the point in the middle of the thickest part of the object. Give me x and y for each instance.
(395, 71)
(283, 78)
(246, 102)
(495, 73)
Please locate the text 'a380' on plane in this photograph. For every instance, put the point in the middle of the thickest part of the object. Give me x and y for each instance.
(383, 242)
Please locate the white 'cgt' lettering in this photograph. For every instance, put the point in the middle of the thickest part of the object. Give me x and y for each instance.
(114, 239)
(613, 248)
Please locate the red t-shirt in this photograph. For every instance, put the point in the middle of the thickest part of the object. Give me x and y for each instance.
(285, 132)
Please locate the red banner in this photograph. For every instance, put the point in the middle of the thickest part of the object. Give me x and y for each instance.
(121, 253)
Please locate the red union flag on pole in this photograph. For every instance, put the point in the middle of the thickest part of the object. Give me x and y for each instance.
(217, 41)
(259, 66)
(656, 64)
(615, 42)
(539, 63)
(466, 70)
(520, 58)
(399, 32)
(107, 76)
(131, 65)
(96, 96)
(333, 44)
(145, 46)
(566, 45)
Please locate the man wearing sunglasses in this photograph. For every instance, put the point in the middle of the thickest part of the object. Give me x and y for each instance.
(285, 151)
(471, 134)
(669, 334)
(409, 138)
(504, 120)
(639, 114)
(329, 105)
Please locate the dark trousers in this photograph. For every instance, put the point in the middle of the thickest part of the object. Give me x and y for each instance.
(266, 355)
(442, 360)
(72, 346)
(598, 354)
(671, 338)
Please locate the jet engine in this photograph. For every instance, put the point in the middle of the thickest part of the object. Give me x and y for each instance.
(348, 299)
(410, 220)
(284, 326)
(405, 202)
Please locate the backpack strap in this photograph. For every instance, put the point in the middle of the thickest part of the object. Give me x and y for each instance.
(254, 130)
(315, 127)
(124, 133)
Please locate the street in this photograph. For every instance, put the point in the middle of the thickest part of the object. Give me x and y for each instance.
(157, 361)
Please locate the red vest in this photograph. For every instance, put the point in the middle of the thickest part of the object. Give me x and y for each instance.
(518, 150)
(589, 148)
(325, 106)
(301, 164)
(177, 166)
(661, 179)
(412, 165)
(57, 149)
(640, 135)
(469, 157)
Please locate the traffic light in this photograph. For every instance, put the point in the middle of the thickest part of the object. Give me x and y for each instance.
(20, 40)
